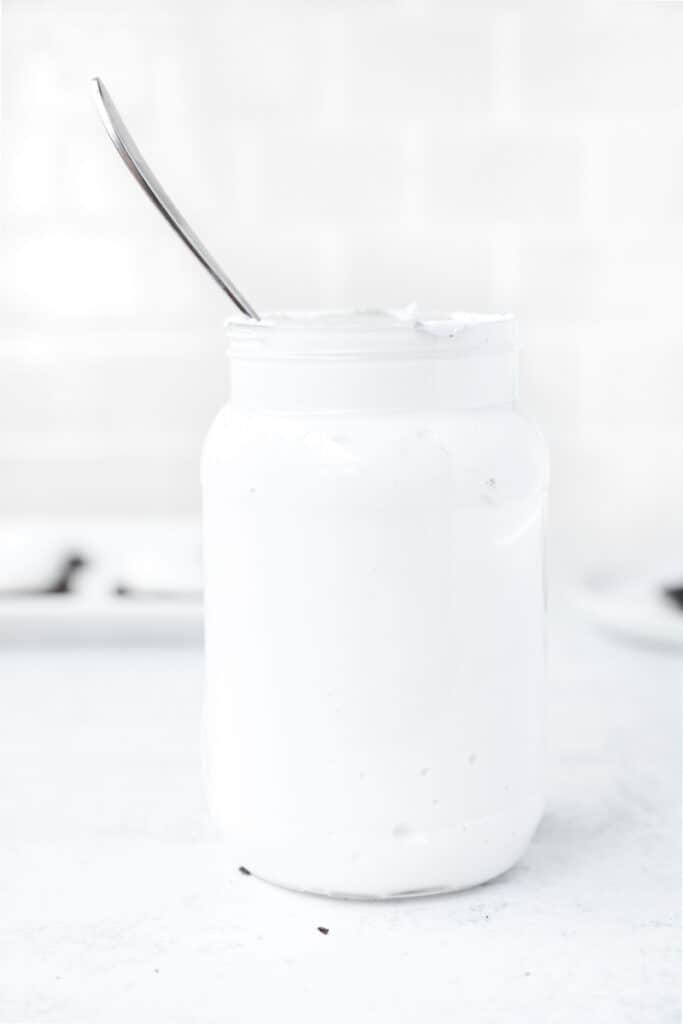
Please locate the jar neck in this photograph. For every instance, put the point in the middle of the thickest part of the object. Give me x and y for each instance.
(320, 384)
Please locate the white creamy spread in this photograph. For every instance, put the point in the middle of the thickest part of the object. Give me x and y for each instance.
(373, 539)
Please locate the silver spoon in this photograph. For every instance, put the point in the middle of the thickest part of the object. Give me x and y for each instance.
(139, 168)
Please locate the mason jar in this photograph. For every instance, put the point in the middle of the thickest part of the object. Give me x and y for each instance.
(374, 603)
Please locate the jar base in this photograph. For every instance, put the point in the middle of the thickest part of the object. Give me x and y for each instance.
(427, 864)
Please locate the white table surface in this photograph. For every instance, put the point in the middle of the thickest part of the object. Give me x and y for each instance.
(118, 903)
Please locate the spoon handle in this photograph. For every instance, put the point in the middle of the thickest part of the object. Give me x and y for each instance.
(139, 168)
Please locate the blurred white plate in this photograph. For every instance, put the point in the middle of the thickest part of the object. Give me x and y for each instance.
(630, 602)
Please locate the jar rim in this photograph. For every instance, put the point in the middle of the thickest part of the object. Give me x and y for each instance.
(359, 333)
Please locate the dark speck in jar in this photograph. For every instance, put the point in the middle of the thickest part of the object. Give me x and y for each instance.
(323, 931)
(243, 870)
(489, 491)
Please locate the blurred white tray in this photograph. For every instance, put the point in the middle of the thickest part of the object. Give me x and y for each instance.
(111, 620)
(150, 557)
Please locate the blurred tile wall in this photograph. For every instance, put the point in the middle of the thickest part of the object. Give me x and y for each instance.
(484, 155)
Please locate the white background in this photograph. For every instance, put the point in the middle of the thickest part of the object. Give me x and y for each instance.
(487, 156)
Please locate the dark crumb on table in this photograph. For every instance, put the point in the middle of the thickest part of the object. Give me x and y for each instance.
(324, 931)
(675, 595)
(243, 870)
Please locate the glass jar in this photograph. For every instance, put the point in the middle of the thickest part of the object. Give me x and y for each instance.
(374, 601)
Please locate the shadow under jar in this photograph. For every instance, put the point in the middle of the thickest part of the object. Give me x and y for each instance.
(373, 542)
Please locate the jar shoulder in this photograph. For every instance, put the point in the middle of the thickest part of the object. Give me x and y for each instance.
(415, 443)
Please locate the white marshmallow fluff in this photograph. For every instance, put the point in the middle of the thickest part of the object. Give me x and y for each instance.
(373, 540)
